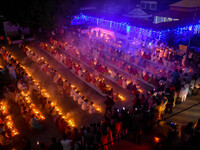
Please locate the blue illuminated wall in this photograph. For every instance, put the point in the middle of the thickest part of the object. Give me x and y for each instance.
(136, 32)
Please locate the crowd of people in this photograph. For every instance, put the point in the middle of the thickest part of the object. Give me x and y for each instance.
(95, 77)
(101, 70)
(63, 86)
(147, 109)
(162, 100)
(88, 137)
(7, 127)
(16, 84)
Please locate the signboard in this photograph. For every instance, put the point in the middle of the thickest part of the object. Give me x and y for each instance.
(183, 47)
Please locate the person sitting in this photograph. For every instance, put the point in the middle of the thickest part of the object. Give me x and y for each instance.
(68, 89)
(80, 72)
(76, 96)
(144, 56)
(12, 72)
(91, 108)
(81, 100)
(56, 77)
(160, 61)
(129, 86)
(84, 105)
(134, 89)
(34, 123)
(146, 77)
(21, 86)
(120, 80)
(88, 77)
(124, 83)
(101, 84)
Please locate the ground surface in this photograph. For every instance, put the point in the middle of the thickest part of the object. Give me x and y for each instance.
(82, 117)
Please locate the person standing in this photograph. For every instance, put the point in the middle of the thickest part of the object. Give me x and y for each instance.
(60, 86)
(109, 104)
(55, 145)
(66, 143)
(9, 41)
(12, 72)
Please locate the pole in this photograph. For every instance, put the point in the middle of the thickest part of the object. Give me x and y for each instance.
(195, 13)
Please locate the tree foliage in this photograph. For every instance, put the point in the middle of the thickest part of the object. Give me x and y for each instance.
(37, 13)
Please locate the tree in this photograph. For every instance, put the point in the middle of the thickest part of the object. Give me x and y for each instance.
(37, 13)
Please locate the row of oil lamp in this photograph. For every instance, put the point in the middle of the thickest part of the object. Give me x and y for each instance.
(97, 108)
(108, 86)
(33, 107)
(109, 71)
(8, 120)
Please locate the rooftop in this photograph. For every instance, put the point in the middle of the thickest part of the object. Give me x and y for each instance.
(187, 4)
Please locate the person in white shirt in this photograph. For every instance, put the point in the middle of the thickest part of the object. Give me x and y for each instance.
(56, 77)
(76, 96)
(66, 143)
(112, 75)
(182, 94)
(81, 100)
(91, 108)
(197, 83)
(72, 92)
(124, 83)
(186, 86)
(184, 60)
(80, 72)
(84, 106)
(197, 86)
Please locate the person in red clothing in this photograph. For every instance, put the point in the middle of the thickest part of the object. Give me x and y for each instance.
(105, 70)
(61, 125)
(135, 71)
(149, 56)
(77, 68)
(94, 79)
(1, 39)
(104, 140)
(70, 65)
(101, 85)
(100, 68)
(146, 77)
(88, 77)
(109, 104)
(120, 80)
(144, 56)
(118, 129)
(132, 58)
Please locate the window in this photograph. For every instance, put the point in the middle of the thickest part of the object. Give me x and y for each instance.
(153, 6)
(143, 5)
(150, 5)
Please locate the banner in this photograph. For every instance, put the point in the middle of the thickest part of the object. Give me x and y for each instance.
(183, 47)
